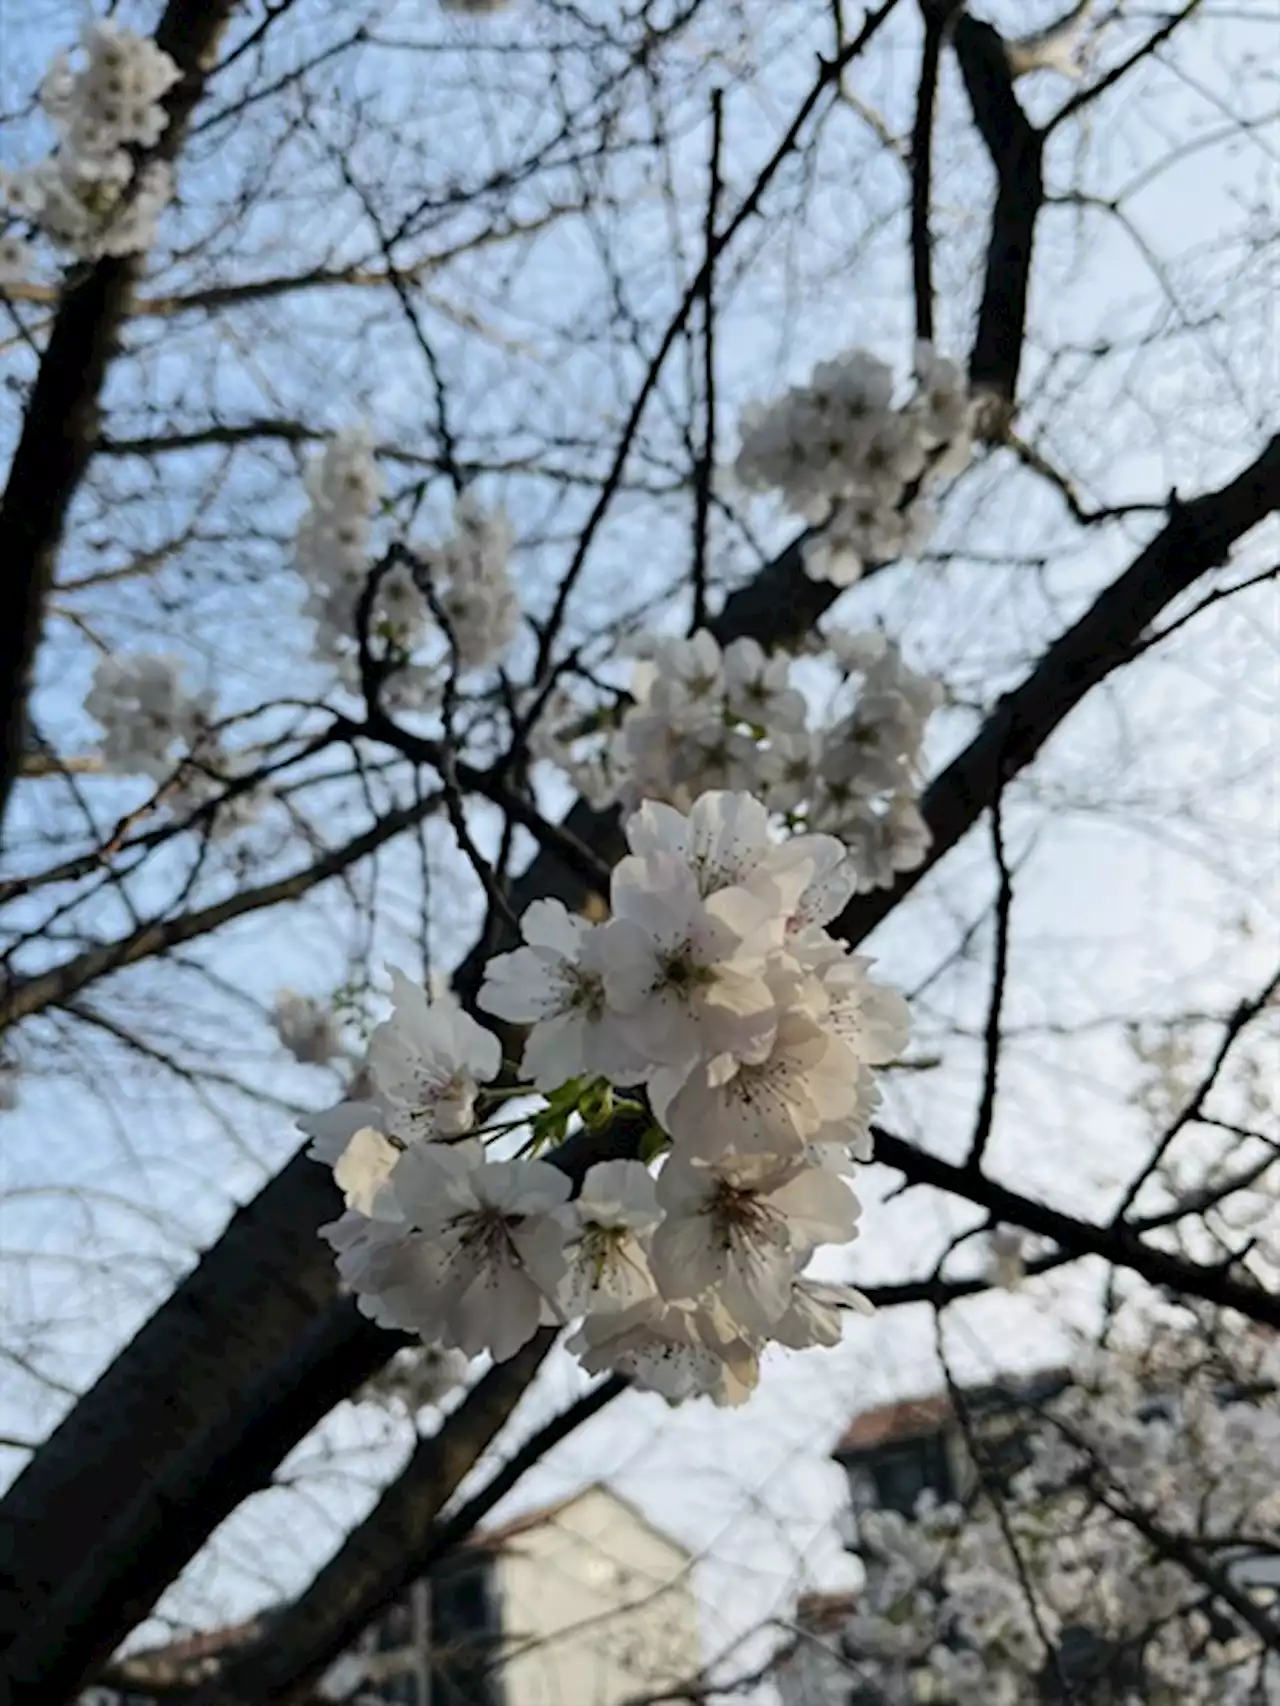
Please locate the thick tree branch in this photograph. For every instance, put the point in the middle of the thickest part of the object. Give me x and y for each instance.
(1015, 148)
(1117, 1244)
(208, 1447)
(61, 422)
(935, 22)
(1197, 537)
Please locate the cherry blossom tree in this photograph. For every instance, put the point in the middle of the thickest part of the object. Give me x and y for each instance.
(1131, 1556)
(583, 658)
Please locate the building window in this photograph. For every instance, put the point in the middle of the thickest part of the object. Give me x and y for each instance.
(394, 1629)
(906, 1468)
(1090, 1666)
(465, 1636)
(402, 1690)
(1002, 1445)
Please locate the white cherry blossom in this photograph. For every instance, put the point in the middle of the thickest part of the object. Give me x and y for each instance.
(881, 843)
(716, 986)
(306, 1028)
(758, 690)
(726, 842)
(691, 669)
(854, 466)
(832, 883)
(92, 195)
(688, 972)
(740, 1229)
(796, 755)
(332, 1129)
(807, 1083)
(677, 1352)
(608, 1267)
(364, 1167)
(335, 537)
(556, 983)
(469, 572)
(149, 716)
(873, 1022)
(691, 731)
(816, 1314)
(483, 1228)
(1169, 1426)
(418, 1378)
(389, 1269)
(1007, 1250)
(375, 1257)
(427, 1061)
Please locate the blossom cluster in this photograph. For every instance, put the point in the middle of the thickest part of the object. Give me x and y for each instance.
(147, 713)
(464, 580)
(154, 725)
(702, 717)
(1182, 1431)
(306, 1028)
(91, 194)
(417, 1378)
(857, 468)
(715, 1012)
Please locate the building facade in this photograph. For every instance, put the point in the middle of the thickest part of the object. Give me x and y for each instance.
(583, 1603)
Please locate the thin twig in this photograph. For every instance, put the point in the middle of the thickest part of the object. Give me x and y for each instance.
(999, 975)
(1243, 1016)
(922, 173)
(828, 73)
(705, 472)
(991, 1488)
(1086, 96)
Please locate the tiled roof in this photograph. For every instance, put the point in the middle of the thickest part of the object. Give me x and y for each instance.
(910, 1418)
(819, 1613)
(491, 1539)
(906, 1419)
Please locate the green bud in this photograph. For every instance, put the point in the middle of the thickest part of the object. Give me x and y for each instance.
(596, 1105)
(652, 1144)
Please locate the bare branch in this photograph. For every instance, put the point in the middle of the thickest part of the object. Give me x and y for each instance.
(1015, 149)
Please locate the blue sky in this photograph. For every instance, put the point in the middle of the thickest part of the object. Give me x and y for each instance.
(1149, 828)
